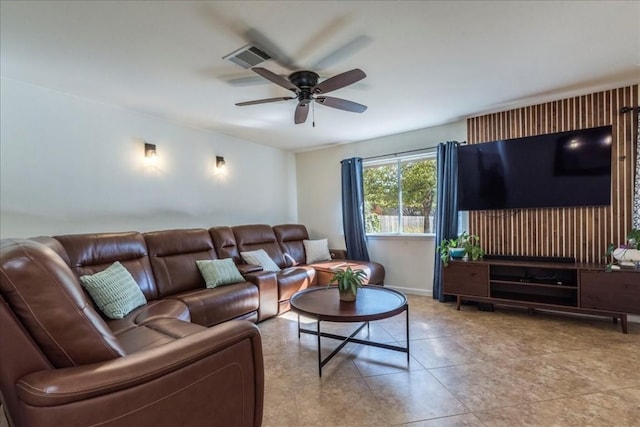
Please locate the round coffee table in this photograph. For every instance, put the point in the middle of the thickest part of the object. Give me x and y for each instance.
(372, 303)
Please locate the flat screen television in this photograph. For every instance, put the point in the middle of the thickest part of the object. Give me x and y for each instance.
(553, 170)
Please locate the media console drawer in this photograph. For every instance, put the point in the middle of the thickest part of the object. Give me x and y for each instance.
(466, 278)
(616, 290)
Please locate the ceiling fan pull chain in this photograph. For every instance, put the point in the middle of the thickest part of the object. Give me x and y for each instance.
(313, 114)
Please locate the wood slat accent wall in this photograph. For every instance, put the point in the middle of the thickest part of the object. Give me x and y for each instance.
(585, 232)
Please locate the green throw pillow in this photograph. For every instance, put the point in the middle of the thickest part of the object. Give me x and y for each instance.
(218, 272)
(114, 291)
(261, 258)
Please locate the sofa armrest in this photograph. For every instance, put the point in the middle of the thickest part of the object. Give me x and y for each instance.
(217, 373)
(248, 268)
(338, 253)
(267, 284)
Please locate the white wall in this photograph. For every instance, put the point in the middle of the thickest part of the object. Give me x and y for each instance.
(70, 165)
(407, 260)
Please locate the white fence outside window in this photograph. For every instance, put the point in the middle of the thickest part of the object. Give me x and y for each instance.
(410, 224)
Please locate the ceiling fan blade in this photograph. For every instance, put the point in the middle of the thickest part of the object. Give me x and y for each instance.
(342, 52)
(253, 35)
(279, 80)
(302, 111)
(245, 81)
(341, 104)
(340, 81)
(264, 101)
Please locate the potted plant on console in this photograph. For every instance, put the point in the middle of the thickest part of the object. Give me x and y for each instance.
(348, 282)
(464, 245)
(627, 255)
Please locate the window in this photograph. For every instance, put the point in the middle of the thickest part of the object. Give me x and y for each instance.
(400, 195)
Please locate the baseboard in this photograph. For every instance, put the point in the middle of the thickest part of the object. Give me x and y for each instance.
(411, 291)
(632, 318)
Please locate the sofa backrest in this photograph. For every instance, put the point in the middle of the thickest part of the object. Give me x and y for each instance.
(173, 255)
(91, 253)
(46, 297)
(224, 243)
(259, 236)
(53, 244)
(290, 237)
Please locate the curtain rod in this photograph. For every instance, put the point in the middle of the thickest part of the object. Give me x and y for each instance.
(627, 109)
(418, 150)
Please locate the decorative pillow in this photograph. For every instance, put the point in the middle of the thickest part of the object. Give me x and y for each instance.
(316, 250)
(114, 291)
(261, 258)
(218, 272)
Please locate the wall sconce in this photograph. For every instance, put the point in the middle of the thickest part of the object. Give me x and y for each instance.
(150, 154)
(220, 162)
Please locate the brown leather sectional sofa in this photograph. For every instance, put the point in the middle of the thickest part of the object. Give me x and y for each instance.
(178, 360)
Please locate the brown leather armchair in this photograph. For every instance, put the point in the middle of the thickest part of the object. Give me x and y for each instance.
(61, 364)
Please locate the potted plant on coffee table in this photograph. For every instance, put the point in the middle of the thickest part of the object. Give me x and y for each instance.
(348, 282)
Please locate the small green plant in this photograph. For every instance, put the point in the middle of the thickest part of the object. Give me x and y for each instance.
(633, 239)
(348, 280)
(472, 247)
(633, 242)
(608, 256)
(444, 247)
(469, 242)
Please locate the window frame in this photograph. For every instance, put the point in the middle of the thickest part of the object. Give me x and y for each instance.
(430, 153)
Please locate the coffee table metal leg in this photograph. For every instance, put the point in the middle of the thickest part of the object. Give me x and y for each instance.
(319, 352)
(345, 316)
(407, 322)
(345, 341)
(351, 338)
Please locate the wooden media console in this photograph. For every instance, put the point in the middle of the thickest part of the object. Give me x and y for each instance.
(570, 287)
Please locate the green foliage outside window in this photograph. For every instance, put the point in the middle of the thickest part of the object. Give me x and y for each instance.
(414, 199)
(371, 220)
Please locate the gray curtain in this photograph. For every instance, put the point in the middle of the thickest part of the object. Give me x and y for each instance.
(353, 209)
(636, 194)
(446, 207)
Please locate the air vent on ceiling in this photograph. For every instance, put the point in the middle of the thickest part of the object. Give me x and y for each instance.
(248, 56)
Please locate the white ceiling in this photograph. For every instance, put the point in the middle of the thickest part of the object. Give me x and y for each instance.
(427, 63)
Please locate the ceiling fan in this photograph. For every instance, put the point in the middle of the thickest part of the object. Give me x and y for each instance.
(305, 86)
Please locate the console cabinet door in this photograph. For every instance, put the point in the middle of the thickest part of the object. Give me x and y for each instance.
(462, 278)
(615, 291)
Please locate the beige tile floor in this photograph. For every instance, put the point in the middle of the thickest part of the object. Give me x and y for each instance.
(467, 368)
